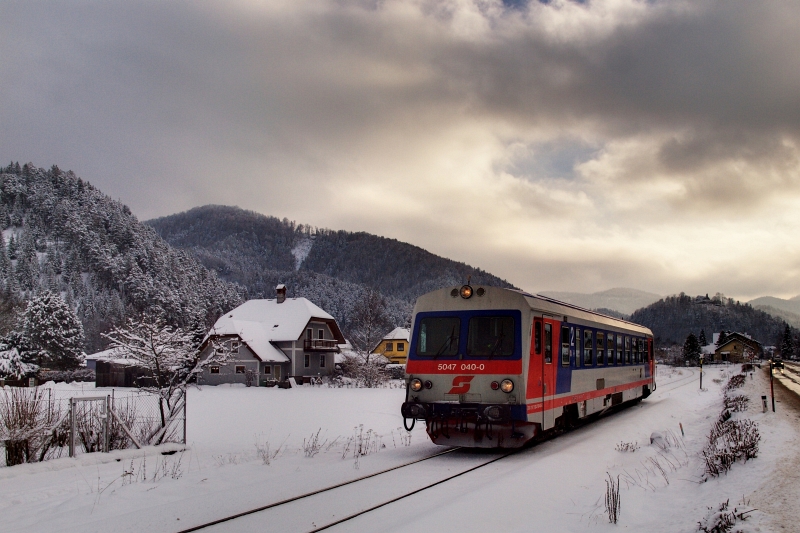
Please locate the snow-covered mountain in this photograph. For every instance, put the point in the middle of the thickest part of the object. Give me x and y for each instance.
(622, 300)
(330, 268)
(66, 236)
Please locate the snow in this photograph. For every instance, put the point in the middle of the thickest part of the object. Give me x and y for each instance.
(301, 251)
(555, 486)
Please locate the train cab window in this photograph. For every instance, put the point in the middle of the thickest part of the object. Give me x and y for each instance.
(628, 350)
(587, 347)
(610, 351)
(438, 336)
(537, 337)
(548, 343)
(490, 336)
(565, 335)
(601, 353)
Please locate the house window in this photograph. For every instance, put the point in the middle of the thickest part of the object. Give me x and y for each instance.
(307, 360)
(389, 347)
(321, 334)
(234, 346)
(322, 361)
(240, 369)
(401, 347)
(215, 369)
(309, 334)
(268, 370)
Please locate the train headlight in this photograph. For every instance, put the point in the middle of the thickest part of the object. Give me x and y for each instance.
(415, 385)
(493, 413)
(495, 385)
(466, 292)
(506, 385)
(428, 384)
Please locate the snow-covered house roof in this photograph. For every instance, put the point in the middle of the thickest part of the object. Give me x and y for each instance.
(397, 334)
(400, 334)
(260, 323)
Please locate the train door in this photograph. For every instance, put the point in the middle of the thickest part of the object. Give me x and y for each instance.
(551, 341)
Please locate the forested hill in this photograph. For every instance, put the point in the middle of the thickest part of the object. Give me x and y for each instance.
(673, 318)
(257, 251)
(61, 234)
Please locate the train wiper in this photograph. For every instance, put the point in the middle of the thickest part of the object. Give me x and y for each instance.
(448, 343)
(498, 344)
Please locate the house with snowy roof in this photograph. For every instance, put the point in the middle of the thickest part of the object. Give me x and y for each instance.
(269, 341)
(394, 346)
(736, 347)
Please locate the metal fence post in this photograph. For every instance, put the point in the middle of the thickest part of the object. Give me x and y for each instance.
(107, 425)
(72, 427)
(185, 398)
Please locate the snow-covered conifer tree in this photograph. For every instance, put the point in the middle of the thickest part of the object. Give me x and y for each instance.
(51, 333)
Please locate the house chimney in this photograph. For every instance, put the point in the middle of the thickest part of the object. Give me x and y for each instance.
(280, 290)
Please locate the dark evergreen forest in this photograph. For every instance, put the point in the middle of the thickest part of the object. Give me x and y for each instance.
(62, 235)
(672, 319)
(331, 268)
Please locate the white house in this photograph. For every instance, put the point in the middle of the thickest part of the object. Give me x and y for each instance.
(272, 340)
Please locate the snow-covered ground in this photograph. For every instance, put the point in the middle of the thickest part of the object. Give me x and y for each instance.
(556, 486)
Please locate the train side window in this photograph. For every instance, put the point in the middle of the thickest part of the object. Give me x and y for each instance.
(601, 353)
(577, 347)
(537, 337)
(628, 350)
(587, 347)
(620, 350)
(548, 343)
(610, 345)
(565, 345)
(637, 349)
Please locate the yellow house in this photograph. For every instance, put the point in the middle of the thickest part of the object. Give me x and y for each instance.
(394, 346)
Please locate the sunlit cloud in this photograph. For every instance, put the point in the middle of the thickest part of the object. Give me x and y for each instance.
(560, 145)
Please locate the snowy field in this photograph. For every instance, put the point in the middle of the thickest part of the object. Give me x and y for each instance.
(556, 486)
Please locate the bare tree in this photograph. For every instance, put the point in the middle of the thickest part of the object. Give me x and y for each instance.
(370, 323)
(170, 357)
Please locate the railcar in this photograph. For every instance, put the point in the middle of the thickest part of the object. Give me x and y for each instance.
(494, 368)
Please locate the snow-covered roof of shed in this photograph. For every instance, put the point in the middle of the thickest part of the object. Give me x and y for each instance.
(259, 323)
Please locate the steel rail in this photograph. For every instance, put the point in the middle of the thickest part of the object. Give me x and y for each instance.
(309, 494)
(412, 493)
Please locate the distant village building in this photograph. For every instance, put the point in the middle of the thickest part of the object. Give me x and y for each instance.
(272, 340)
(394, 346)
(734, 347)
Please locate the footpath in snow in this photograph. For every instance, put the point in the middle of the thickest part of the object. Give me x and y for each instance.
(248, 447)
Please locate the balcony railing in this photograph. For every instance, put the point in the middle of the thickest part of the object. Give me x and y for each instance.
(320, 345)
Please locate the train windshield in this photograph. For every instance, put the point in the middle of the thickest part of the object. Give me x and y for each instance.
(438, 336)
(490, 336)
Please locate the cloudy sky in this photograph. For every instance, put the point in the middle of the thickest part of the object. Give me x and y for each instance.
(561, 145)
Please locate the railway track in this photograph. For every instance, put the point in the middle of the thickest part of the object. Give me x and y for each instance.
(278, 516)
(693, 374)
(272, 517)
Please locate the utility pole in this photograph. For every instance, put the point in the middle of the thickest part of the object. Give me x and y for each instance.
(771, 385)
(701, 372)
